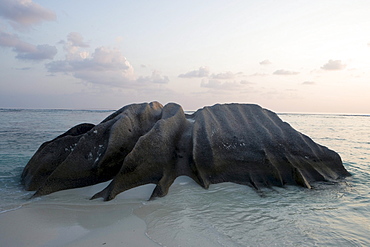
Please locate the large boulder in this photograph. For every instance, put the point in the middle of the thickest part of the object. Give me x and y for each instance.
(90, 156)
(148, 143)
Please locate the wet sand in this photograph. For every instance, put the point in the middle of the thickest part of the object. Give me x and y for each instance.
(51, 221)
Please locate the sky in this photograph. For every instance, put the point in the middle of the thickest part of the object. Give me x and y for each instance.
(287, 56)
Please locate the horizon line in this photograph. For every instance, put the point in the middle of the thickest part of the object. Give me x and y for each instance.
(110, 109)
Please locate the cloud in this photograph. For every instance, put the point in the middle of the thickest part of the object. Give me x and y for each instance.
(24, 13)
(245, 82)
(285, 72)
(76, 40)
(26, 51)
(104, 66)
(201, 72)
(265, 62)
(24, 68)
(219, 85)
(73, 46)
(40, 52)
(260, 74)
(308, 83)
(333, 65)
(225, 76)
(156, 77)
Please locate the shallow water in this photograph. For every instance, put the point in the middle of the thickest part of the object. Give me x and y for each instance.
(226, 214)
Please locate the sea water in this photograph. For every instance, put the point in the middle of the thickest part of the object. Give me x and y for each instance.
(226, 214)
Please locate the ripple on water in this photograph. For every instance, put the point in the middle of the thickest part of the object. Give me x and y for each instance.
(234, 215)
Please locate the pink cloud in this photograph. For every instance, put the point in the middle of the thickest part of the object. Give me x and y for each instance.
(25, 12)
(26, 51)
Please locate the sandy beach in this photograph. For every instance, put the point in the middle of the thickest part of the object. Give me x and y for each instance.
(52, 222)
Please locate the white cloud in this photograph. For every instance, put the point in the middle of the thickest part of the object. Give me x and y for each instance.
(225, 76)
(24, 13)
(308, 83)
(201, 72)
(219, 85)
(333, 65)
(265, 62)
(26, 51)
(73, 46)
(156, 77)
(104, 66)
(245, 82)
(285, 72)
(260, 74)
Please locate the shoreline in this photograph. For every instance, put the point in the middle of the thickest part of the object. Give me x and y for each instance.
(66, 219)
(56, 225)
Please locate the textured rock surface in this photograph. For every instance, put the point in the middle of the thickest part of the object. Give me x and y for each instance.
(149, 143)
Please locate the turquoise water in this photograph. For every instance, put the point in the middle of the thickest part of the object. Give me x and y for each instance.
(227, 214)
